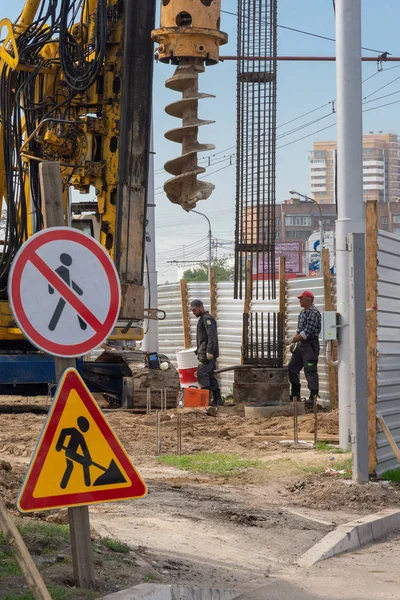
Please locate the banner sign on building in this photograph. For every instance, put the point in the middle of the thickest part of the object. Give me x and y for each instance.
(292, 252)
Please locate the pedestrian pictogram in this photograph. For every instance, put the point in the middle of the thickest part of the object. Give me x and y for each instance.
(78, 459)
(64, 292)
(63, 272)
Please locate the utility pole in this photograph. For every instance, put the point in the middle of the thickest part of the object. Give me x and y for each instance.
(350, 205)
(209, 242)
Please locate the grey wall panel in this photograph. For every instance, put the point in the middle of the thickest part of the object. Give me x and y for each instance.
(388, 346)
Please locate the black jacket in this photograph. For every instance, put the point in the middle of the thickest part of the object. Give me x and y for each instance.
(207, 337)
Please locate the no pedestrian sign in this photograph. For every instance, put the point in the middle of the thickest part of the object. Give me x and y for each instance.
(64, 292)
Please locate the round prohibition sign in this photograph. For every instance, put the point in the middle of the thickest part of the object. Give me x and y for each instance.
(64, 292)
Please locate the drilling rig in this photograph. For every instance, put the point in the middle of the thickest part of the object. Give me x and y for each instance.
(76, 88)
(189, 37)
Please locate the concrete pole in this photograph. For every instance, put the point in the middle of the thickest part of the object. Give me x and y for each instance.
(150, 341)
(350, 204)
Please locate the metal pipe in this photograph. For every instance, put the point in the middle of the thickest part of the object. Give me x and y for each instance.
(350, 206)
(310, 58)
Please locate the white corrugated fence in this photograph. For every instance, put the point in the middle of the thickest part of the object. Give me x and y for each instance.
(229, 315)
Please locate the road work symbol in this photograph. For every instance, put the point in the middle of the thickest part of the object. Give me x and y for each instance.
(63, 272)
(77, 452)
(78, 459)
(64, 292)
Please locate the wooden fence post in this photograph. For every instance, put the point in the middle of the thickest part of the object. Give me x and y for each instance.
(372, 325)
(185, 314)
(248, 292)
(282, 297)
(329, 305)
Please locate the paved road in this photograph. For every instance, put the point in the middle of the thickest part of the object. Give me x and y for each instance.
(371, 573)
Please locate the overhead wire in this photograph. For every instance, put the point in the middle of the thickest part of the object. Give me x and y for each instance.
(316, 35)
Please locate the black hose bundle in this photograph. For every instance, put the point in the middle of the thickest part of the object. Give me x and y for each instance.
(80, 62)
(24, 103)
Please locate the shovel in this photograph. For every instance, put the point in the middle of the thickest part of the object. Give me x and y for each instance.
(111, 475)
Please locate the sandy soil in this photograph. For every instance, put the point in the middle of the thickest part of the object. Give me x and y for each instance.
(210, 529)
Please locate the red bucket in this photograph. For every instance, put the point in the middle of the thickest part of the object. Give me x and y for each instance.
(188, 377)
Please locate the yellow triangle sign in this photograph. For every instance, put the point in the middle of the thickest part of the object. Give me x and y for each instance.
(78, 459)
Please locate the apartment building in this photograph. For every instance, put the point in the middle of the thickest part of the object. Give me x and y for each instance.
(381, 169)
(296, 220)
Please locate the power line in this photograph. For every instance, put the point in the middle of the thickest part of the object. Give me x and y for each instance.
(316, 35)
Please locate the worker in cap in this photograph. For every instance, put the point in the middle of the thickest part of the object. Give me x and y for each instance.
(207, 350)
(306, 350)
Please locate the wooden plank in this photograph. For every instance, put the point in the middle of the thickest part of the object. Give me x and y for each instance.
(23, 558)
(282, 285)
(185, 314)
(52, 198)
(389, 438)
(249, 288)
(248, 293)
(329, 305)
(282, 300)
(79, 526)
(372, 325)
(213, 293)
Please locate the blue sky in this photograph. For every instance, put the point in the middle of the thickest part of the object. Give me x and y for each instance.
(302, 87)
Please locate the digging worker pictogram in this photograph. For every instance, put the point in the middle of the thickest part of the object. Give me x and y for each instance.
(77, 452)
(207, 350)
(63, 272)
(306, 352)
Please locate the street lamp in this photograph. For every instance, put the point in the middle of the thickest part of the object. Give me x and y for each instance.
(321, 225)
(209, 241)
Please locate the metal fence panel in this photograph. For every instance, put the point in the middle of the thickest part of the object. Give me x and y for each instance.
(294, 289)
(230, 320)
(388, 347)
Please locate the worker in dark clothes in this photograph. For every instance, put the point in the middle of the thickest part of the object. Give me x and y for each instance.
(306, 352)
(207, 350)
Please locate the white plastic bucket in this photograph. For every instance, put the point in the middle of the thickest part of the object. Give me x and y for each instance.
(187, 368)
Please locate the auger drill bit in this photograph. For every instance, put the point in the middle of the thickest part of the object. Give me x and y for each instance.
(188, 38)
(185, 188)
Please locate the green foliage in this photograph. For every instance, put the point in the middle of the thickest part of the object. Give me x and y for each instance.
(115, 545)
(42, 538)
(391, 475)
(211, 463)
(222, 271)
(57, 592)
(332, 449)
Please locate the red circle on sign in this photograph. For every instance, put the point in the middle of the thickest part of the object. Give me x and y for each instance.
(28, 253)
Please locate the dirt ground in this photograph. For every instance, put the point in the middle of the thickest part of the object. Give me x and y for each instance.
(197, 528)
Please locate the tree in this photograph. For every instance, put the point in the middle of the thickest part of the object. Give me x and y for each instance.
(223, 272)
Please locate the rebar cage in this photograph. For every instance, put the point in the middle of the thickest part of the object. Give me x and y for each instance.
(256, 146)
(263, 339)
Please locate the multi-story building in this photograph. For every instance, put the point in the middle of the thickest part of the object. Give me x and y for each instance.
(381, 169)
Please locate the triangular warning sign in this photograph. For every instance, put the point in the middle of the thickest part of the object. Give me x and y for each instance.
(78, 459)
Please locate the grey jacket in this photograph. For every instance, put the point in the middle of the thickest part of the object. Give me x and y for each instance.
(207, 337)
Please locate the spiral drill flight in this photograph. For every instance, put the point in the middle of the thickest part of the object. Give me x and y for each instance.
(189, 37)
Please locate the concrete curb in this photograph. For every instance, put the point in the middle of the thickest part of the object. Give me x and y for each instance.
(351, 536)
(154, 591)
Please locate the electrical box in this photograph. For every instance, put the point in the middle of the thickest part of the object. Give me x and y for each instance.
(329, 325)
